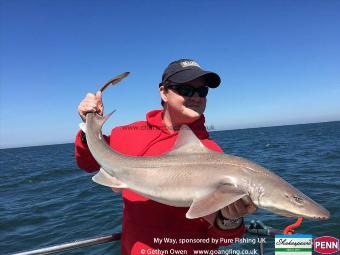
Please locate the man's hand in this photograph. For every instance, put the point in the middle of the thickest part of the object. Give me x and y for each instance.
(236, 210)
(91, 103)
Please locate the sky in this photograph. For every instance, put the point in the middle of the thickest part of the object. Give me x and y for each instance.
(279, 61)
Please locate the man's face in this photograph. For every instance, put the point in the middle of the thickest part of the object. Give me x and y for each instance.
(186, 109)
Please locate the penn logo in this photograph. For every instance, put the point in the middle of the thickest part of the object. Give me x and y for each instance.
(326, 245)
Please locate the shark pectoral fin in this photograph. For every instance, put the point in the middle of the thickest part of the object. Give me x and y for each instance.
(103, 178)
(220, 198)
(188, 143)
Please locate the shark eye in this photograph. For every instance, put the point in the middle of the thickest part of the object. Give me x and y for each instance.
(298, 199)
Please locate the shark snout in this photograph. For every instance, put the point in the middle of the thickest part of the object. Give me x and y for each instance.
(294, 203)
(323, 214)
(315, 211)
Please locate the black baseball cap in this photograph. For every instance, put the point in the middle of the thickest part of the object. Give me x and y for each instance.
(185, 70)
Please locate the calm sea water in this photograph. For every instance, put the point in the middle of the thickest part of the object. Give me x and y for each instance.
(45, 199)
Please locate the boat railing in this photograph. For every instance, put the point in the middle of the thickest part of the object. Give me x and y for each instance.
(257, 228)
(72, 245)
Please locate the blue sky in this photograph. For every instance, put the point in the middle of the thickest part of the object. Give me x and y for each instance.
(278, 60)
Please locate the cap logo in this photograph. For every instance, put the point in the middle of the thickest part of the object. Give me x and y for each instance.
(189, 63)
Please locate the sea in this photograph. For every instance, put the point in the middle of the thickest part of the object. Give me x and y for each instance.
(45, 199)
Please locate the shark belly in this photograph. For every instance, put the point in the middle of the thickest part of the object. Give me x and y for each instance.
(171, 187)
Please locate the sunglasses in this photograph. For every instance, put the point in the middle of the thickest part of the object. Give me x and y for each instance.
(188, 91)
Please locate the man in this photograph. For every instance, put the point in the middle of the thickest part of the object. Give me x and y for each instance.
(183, 92)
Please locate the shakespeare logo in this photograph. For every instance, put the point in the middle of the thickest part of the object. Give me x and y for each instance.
(293, 244)
(326, 245)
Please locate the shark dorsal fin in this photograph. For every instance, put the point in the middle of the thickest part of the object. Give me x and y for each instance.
(187, 142)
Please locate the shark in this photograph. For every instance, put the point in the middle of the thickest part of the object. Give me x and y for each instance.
(193, 176)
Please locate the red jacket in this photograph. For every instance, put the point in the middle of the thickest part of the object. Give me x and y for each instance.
(144, 219)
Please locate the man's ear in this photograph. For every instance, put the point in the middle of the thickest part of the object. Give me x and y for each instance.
(163, 93)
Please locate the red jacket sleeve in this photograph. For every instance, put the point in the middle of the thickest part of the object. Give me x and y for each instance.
(83, 155)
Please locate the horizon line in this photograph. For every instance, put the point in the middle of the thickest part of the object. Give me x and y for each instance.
(233, 129)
